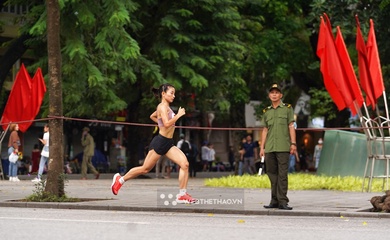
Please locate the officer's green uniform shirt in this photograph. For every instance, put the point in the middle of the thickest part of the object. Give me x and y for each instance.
(277, 121)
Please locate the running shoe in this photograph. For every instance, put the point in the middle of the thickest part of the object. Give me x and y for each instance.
(116, 185)
(186, 198)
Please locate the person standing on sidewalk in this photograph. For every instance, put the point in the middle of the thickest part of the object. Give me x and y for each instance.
(184, 145)
(35, 156)
(250, 152)
(192, 159)
(44, 153)
(13, 146)
(205, 155)
(317, 153)
(278, 141)
(89, 150)
(162, 144)
(211, 156)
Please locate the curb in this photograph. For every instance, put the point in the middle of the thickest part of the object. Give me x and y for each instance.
(296, 213)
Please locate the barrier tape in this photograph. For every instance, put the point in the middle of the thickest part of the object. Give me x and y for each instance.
(185, 127)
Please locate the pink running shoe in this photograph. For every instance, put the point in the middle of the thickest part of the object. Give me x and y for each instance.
(116, 185)
(186, 198)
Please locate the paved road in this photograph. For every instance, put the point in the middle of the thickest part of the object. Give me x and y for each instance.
(64, 224)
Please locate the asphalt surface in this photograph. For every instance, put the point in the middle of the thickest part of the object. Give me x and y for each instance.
(155, 194)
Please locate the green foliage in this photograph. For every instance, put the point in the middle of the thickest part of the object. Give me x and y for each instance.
(278, 43)
(133, 45)
(40, 195)
(322, 104)
(200, 41)
(298, 181)
(342, 13)
(119, 48)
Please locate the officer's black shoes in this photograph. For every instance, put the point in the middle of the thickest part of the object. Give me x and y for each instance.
(285, 207)
(271, 206)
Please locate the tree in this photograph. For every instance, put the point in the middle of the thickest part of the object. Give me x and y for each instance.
(120, 46)
(55, 181)
(279, 49)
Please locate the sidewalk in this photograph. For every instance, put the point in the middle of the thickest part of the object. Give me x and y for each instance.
(151, 194)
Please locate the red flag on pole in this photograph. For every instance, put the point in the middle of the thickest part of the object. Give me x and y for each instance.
(350, 75)
(364, 72)
(24, 100)
(374, 63)
(331, 68)
(18, 99)
(38, 89)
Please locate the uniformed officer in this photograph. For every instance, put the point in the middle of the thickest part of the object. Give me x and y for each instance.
(278, 141)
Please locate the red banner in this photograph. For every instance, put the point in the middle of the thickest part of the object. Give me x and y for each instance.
(370, 72)
(350, 76)
(24, 100)
(374, 63)
(331, 68)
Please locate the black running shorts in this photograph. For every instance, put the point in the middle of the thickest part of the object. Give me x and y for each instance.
(161, 144)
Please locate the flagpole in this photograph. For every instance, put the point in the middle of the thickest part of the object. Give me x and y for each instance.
(385, 101)
(359, 112)
(379, 121)
(367, 113)
(387, 111)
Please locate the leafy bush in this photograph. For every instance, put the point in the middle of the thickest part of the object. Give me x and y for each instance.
(40, 195)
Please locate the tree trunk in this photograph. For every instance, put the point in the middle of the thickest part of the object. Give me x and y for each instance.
(55, 180)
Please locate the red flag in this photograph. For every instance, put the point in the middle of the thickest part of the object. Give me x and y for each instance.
(38, 89)
(350, 75)
(374, 63)
(328, 24)
(18, 98)
(364, 73)
(331, 68)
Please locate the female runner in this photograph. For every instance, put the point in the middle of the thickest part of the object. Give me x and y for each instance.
(162, 144)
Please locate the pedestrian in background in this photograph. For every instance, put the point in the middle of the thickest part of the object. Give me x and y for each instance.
(294, 158)
(35, 156)
(89, 151)
(205, 155)
(14, 146)
(192, 159)
(160, 167)
(163, 165)
(240, 160)
(278, 141)
(317, 153)
(250, 151)
(184, 145)
(44, 153)
(211, 156)
(303, 159)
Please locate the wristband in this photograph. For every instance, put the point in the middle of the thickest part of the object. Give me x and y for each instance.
(294, 144)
